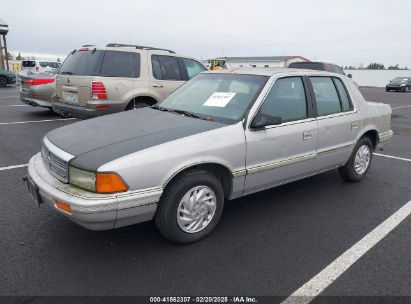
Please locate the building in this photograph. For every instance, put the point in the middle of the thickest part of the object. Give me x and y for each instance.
(261, 62)
(4, 29)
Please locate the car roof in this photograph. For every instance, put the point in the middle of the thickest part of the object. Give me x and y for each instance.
(272, 71)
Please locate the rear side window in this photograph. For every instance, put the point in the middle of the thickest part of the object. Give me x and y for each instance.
(120, 64)
(28, 63)
(345, 101)
(83, 63)
(193, 67)
(286, 100)
(326, 96)
(166, 68)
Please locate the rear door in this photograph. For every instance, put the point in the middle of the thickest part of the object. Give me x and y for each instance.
(76, 73)
(166, 75)
(338, 121)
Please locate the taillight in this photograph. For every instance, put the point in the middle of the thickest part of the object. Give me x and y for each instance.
(98, 90)
(33, 82)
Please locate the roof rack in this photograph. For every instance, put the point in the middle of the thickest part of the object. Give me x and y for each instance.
(140, 47)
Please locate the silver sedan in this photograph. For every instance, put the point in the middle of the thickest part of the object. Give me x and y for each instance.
(38, 89)
(222, 135)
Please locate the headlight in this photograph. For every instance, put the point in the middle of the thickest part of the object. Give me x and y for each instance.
(403, 85)
(82, 179)
(100, 182)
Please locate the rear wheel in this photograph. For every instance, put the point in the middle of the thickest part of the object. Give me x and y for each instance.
(190, 207)
(139, 103)
(3, 82)
(359, 163)
(406, 89)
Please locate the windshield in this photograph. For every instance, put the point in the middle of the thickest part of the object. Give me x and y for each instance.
(82, 63)
(220, 97)
(28, 63)
(400, 79)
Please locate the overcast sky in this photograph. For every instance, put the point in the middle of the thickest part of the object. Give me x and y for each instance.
(346, 32)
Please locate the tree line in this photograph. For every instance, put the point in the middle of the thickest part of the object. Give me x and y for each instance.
(376, 66)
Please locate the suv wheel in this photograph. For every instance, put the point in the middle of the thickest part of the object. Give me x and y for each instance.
(3, 82)
(359, 163)
(191, 207)
(137, 104)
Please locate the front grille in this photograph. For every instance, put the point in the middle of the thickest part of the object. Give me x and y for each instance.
(55, 165)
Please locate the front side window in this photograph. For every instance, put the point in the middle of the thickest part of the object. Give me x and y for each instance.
(220, 97)
(286, 100)
(120, 64)
(193, 67)
(325, 95)
(166, 68)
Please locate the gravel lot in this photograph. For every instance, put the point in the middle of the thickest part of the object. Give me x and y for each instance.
(270, 243)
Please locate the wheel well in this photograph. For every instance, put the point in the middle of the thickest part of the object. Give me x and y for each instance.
(373, 135)
(220, 171)
(145, 99)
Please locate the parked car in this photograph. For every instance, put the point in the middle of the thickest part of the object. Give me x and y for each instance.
(399, 84)
(94, 81)
(38, 89)
(37, 66)
(6, 78)
(220, 136)
(318, 66)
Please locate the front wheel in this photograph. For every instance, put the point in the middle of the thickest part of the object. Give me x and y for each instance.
(359, 163)
(3, 82)
(191, 207)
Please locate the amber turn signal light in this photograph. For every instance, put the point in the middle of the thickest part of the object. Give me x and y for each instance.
(63, 206)
(109, 183)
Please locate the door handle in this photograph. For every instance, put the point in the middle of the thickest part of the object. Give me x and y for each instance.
(354, 125)
(307, 136)
(156, 85)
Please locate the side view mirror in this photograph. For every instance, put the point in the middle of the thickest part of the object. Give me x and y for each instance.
(260, 121)
(349, 76)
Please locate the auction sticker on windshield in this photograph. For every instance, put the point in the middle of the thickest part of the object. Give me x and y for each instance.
(219, 99)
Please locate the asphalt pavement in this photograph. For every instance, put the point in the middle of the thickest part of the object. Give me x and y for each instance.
(269, 243)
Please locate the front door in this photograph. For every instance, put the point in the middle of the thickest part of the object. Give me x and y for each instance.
(285, 151)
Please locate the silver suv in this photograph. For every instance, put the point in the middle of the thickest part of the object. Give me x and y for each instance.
(95, 81)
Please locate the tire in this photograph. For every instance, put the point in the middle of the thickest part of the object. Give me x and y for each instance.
(170, 216)
(137, 104)
(406, 89)
(349, 171)
(3, 82)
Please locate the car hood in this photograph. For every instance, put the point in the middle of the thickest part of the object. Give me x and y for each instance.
(100, 140)
(397, 82)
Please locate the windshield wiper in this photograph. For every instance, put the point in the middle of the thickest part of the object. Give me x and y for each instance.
(66, 73)
(182, 112)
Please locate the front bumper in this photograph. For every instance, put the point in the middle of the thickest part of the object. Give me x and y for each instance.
(92, 210)
(395, 88)
(88, 111)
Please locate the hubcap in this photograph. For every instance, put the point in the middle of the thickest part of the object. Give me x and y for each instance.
(196, 209)
(362, 159)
